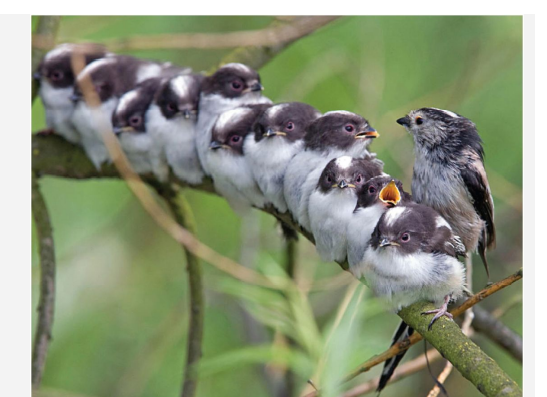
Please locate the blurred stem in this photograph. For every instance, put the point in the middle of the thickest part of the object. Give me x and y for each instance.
(183, 215)
(291, 252)
(46, 303)
(498, 332)
(43, 40)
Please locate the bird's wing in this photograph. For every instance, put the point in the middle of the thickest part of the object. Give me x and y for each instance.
(474, 178)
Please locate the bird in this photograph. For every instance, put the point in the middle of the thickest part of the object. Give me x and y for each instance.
(332, 203)
(232, 176)
(57, 84)
(449, 175)
(171, 123)
(277, 137)
(111, 76)
(335, 134)
(374, 197)
(129, 124)
(231, 86)
(412, 256)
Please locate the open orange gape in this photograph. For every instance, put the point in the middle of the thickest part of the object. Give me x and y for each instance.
(390, 194)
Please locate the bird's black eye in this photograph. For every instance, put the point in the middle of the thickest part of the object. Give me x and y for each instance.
(405, 237)
(289, 126)
(419, 120)
(237, 85)
(329, 179)
(56, 75)
(359, 178)
(172, 107)
(135, 121)
(235, 139)
(349, 128)
(371, 189)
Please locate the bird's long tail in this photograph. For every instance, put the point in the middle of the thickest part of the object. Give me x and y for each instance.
(402, 332)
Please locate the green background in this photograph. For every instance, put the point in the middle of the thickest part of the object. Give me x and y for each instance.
(121, 290)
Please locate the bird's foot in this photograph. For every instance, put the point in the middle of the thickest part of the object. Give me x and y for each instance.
(441, 311)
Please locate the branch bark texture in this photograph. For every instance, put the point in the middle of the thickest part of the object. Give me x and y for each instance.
(183, 215)
(46, 304)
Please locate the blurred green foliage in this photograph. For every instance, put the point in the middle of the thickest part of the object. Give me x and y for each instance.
(121, 291)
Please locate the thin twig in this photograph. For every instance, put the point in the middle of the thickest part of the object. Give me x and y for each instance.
(278, 33)
(43, 40)
(183, 216)
(401, 372)
(46, 305)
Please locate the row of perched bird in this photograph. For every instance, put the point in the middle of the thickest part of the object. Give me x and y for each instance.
(290, 156)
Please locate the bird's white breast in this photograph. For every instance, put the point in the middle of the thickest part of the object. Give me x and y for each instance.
(329, 215)
(268, 160)
(360, 228)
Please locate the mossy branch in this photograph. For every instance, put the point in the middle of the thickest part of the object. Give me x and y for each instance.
(475, 365)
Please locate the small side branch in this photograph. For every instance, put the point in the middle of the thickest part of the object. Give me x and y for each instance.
(46, 303)
(183, 216)
(498, 332)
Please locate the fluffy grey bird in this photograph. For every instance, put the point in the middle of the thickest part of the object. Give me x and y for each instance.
(232, 176)
(449, 175)
(412, 256)
(231, 86)
(335, 134)
(373, 199)
(332, 203)
(278, 136)
(57, 85)
(171, 123)
(111, 76)
(129, 124)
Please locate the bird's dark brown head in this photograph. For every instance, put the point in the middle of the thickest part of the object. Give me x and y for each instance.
(129, 115)
(233, 80)
(232, 126)
(179, 96)
(339, 130)
(285, 120)
(56, 67)
(382, 189)
(347, 173)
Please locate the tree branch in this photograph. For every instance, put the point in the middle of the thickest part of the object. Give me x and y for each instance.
(183, 215)
(270, 40)
(46, 305)
(43, 40)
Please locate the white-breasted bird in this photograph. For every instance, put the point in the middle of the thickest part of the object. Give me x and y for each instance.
(332, 203)
(335, 134)
(231, 86)
(57, 85)
(277, 137)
